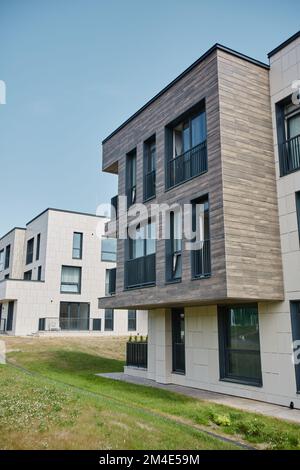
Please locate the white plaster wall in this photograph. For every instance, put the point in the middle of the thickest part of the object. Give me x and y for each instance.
(15, 239)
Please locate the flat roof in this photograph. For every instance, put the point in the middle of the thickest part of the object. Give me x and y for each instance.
(284, 44)
(12, 230)
(65, 211)
(185, 72)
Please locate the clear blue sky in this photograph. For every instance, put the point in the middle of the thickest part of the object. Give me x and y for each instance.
(75, 69)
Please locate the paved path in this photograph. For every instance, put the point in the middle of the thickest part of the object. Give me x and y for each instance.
(245, 404)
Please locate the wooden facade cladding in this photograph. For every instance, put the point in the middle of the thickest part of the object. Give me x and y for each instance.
(240, 182)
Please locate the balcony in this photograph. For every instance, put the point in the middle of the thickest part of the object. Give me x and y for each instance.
(191, 163)
(289, 155)
(140, 271)
(112, 281)
(136, 354)
(149, 185)
(201, 261)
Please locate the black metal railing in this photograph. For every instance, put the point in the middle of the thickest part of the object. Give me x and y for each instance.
(74, 323)
(112, 281)
(114, 208)
(201, 260)
(136, 354)
(149, 184)
(289, 155)
(2, 325)
(140, 271)
(191, 163)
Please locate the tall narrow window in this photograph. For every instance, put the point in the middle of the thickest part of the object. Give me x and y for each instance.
(239, 344)
(173, 248)
(201, 260)
(39, 273)
(1, 260)
(70, 279)
(29, 252)
(38, 246)
(298, 211)
(131, 320)
(28, 275)
(131, 178)
(7, 257)
(108, 319)
(288, 136)
(149, 168)
(77, 245)
(109, 249)
(178, 340)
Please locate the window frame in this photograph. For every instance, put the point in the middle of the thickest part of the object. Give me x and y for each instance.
(71, 283)
(149, 161)
(29, 254)
(28, 275)
(129, 320)
(103, 252)
(2, 260)
(38, 247)
(75, 248)
(39, 273)
(7, 257)
(131, 177)
(106, 320)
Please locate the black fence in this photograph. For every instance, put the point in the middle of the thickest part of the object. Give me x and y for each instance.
(289, 155)
(140, 271)
(136, 354)
(201, 260)
(189, 164)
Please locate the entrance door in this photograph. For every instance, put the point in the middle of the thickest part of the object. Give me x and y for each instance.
(178, 342)
(10, 316)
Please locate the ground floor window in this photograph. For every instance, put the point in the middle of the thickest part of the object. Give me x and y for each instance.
(239, 344)
(295, 319)
(131, 320)
(108, 319)
(178, 341)
(74, 316)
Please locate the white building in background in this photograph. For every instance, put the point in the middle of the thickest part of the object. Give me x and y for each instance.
(52, 273)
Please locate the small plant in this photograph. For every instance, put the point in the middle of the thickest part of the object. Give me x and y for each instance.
(130, 339)
(221, 420)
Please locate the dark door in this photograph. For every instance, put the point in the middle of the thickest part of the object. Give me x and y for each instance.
(295, 318)
(178, 342)
(10, 316)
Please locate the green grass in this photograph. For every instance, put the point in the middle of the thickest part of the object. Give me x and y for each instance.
(72, 363)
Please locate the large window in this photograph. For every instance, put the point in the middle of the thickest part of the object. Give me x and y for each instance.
(109, 249)
(173, 248)
(74, 316)
(77, 245)
(186, 147)
(149, 168)
(131, 178)
(29, 251)
(38, 246)
(288, 136)
(1, 260)
(108, 319)
(7, 257)
(70, 279)
(201, 262)
(131, 320)
(239, 344)
(144, 241)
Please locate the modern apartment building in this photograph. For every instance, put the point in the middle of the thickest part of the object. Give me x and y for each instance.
(52, 273)
(219, 315)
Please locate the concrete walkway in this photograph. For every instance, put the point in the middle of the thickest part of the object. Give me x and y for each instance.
(245, 404)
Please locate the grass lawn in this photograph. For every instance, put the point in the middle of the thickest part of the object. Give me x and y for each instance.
(99, 413)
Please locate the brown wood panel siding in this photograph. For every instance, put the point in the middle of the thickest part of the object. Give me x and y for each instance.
(253, 255)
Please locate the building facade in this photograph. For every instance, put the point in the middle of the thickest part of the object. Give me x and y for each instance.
(52, 273)
(219, 317)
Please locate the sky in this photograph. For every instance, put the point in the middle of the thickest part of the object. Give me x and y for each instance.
(76, 69)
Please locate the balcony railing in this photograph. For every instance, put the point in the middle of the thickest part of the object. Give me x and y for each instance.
(149, 185)
(112, 281)
(114, 211)
(140, 271)
(289, 155)
(58, 324)
(189, 164)
(201, 260)
(136, 354)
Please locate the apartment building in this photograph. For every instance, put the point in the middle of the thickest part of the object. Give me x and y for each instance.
(52, 273)
(219, 315)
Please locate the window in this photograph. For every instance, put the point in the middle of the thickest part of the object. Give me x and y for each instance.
(1, 260)
(295, 319)
(28, 275)
(173, 248)
(110, 281)
(186, 147)
(298, 211)
(70, 279)
(144, 242)
(38, 245)
(108, 319)
(131, 320)
(107, 277)
(131, 178)
(178, 341)
(201, 262)
(29, 252)
(7, 257)
(6, 276)
(77, 245)
(149, 168)
(288, 136)
(39, 273)
(109, 249)
(74, 316)
(239, 344)
(97, 324)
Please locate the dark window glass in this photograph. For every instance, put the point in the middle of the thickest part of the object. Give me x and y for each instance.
(109, 249)
(10, 316)
(39, 274)
(288, 136)
(201, 259)
(38, 245)
(7, 257)
(149, 168)
(108, 319)
(77, 245)
(97, 324)
(240, 346)
(295, 319)
(131, 178)
(178, 340)
(173, 248)
(144, 242)
(74, 316)
(70, 279)
(1, 260)
(28, 275)
(131, 320)
(29, 252)
(298, 211)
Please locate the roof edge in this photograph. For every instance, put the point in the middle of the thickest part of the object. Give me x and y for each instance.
(67, 212)
(180, 76)
(284, 44)
(12, 230)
